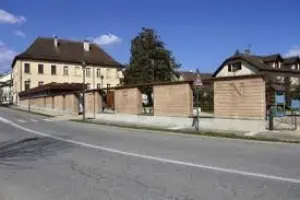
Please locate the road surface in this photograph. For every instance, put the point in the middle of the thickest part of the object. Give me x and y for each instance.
(46, 159)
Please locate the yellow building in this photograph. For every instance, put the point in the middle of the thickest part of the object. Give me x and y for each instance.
(56, 60)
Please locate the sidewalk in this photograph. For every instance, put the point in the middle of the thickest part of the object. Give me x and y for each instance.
(282, 135)
(186, 127)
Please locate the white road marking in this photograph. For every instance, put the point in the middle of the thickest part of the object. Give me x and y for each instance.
(21, 120)
(33, 120)
(158, 159)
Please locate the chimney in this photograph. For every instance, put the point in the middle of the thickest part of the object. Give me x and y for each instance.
(86, 45)
(55, 41)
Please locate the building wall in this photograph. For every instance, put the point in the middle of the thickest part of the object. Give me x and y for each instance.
(246, 69)
(128, 100)
(242, 98)
(75, 75)
(173, 100)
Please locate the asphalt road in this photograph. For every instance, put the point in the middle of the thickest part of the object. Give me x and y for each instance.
(46, 160)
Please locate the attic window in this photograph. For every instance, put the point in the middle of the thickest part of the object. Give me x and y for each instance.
(234, 67)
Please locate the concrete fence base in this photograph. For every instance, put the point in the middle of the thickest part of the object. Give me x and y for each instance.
(184, 122)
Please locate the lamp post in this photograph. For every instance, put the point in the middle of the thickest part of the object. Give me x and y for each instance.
(28, 97)
(83, 90)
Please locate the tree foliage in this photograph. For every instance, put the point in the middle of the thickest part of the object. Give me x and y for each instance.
(150, 61)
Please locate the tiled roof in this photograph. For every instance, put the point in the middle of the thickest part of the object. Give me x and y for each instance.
(50, 87)
(67, 51)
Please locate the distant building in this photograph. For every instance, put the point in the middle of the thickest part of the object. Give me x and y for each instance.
(5, 88)
(50, 60)
(248, 64)
(191, 75)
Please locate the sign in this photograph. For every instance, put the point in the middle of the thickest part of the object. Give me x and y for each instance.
(198, 81)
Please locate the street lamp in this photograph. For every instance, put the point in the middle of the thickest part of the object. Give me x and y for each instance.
(83, 90)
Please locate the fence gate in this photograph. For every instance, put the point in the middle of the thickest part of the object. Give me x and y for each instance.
(287, 121)
(110, 100)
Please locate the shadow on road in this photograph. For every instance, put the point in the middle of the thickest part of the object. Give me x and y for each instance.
(29, 150)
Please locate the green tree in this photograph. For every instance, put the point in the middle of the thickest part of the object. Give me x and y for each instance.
(150, 61)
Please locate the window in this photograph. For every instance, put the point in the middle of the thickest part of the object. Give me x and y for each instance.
(88, 72)
(234, 67)
(27, 68)
(66, 71)
(277, 65)
(41, 83)
(98, 73)
(41, 69)
(27, 85)
(107, 73)
(53, 69)
(98, 85)
(77, 71)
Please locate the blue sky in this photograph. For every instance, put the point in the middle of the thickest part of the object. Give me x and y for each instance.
(201, 33)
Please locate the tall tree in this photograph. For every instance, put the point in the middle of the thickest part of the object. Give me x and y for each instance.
(150, 61)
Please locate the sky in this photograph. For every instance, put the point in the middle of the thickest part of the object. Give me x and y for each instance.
(200, 33)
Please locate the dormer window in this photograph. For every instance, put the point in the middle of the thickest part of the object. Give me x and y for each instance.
(234, 67)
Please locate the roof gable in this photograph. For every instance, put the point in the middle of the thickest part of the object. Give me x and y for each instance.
(252, 60)
(256, 61)
(67, 51)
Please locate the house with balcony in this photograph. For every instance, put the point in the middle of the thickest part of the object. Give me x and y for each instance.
(54, 60)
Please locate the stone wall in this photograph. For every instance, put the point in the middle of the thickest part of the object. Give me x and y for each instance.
(128, 100)
(174, 100)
